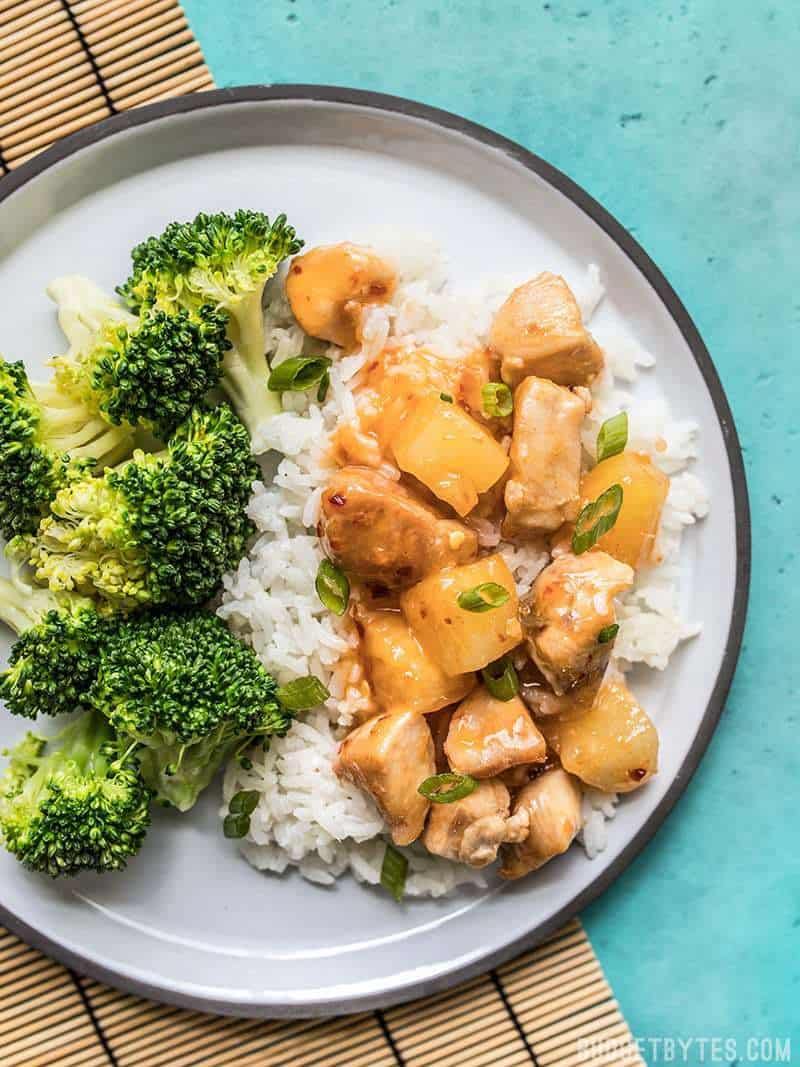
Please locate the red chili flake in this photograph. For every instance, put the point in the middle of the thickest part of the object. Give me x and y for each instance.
(337, 500)
(377, 289)
(637, 774)
(296, 268)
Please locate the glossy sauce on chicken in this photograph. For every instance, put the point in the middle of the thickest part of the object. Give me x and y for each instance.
(501, 692)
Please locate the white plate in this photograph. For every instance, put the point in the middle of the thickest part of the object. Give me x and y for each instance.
(190, 921)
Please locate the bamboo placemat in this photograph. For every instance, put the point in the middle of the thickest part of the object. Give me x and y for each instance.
(64, 65)
(548, 1007)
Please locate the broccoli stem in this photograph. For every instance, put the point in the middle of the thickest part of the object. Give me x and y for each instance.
(79, 746)
(22, 605)
(246, 388)
(180, 771)
(83, 308)
(245, 367)
(69, 427)
(14, 611)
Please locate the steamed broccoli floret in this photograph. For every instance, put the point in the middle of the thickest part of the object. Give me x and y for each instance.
(160, 529)
(149, 371)
(224, 260)
(54, 661)
(73, 802)
(47, 440)
(189, 692)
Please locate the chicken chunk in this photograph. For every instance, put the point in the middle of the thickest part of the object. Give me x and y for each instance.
(388, 757)
(487, 736)
(439, 725)
(378, 531)
(542, 702)
(478, 369)
(539, 330)
(552, 803)
(400, 672)
(329, 287)
(569, 607)
(516, 777)
(543, 487)
(473, 829)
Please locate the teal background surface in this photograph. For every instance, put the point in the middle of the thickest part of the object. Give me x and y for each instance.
(683, 119)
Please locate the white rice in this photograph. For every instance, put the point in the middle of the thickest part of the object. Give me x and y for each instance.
(306, 817)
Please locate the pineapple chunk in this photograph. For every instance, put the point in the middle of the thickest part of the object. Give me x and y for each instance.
(448, 451)
(644, 489)
(401, 673)
(613, 746)
(461, 640)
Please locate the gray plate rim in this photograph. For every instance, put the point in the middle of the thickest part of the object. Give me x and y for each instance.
(633, 250)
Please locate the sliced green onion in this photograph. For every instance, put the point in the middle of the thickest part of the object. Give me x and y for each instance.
(446, 397)
(596, 519)
(613, 437)
(608, 633)
(302, 694)
(236, 825)
(446, 788)
(297, 374)
(324, 385)
(393, 872)
(497, 399)
(245, 763)
(332, 587)
(500, 679)
(483, 597)
(244, 802)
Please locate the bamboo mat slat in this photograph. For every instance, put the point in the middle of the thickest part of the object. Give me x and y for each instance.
(63, 65)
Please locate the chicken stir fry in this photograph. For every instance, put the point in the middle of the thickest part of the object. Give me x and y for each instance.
(568, 612)
(539, 331)
(379, 531)
(491, 703)
(552, 806)
(386, 757)
(473, 829)
(329, 289)
(488, 736)
(543, 489)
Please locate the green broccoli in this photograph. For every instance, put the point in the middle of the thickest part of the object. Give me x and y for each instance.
(54, 661)
(159, 529)
(47, 441)
(225, 260)
(183, 687)
(73, 802)
(143, 372)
